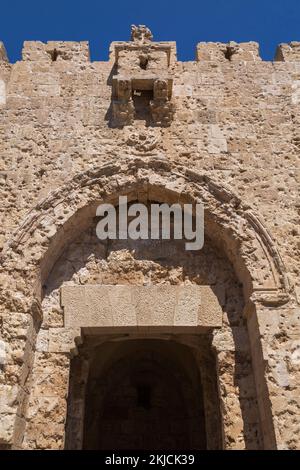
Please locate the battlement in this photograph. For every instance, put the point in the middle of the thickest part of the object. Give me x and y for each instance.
(288, 52)
(221, 52)
(79, 52)
(56, 51)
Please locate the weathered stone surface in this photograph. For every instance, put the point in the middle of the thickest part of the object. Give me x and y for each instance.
(7, 427)
(222, 130)
(157, 306)
(2, 92)
(288, 52)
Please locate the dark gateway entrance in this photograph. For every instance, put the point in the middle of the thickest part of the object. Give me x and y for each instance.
(139, 394)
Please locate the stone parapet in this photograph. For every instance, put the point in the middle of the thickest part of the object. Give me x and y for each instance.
(288, 52)
(163, 53)
(231, 51)
(56, 51)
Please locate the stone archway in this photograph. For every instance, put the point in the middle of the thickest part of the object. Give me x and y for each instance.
(30, 255)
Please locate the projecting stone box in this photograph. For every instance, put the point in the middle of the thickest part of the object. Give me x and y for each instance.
(142, 66)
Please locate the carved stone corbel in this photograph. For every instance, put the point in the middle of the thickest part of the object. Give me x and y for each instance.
(162, 108)
(123, 108)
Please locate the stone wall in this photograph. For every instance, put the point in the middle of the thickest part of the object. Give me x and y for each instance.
(235, 122)
(235, 119)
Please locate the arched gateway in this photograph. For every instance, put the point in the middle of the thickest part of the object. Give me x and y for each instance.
(112, 347)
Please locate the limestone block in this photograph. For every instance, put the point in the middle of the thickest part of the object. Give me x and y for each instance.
(234, 339)
(20, 424)
(217, 146)
(210, 309)
(3, 352)
(294, 357)
(44, 406)
(187, 307)
(280, 373)
(153, 307)
(268, 321)
(8, 398)
(2, 92)
(19, 325)
(216, 140)
(7, 427)
(42, 341)
(50, 361)
(63, 339)
(51, 383)
(120, 301)
(296, 91)
(232, 51)
(211, 51)
(46, 437)
(246, 51)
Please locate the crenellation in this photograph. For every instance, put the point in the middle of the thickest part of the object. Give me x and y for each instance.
(288, 52)
(52, 51)
(211, 52)
(231, 51)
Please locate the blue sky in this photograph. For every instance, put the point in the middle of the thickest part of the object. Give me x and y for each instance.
(186, 21)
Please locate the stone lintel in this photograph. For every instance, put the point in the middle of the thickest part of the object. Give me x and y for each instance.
(140, 307)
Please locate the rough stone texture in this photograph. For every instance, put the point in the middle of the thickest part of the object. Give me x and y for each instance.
(119, 306)
(222, 130)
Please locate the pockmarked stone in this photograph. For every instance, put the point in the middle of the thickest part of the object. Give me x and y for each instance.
(99, 338)
(154, 306)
